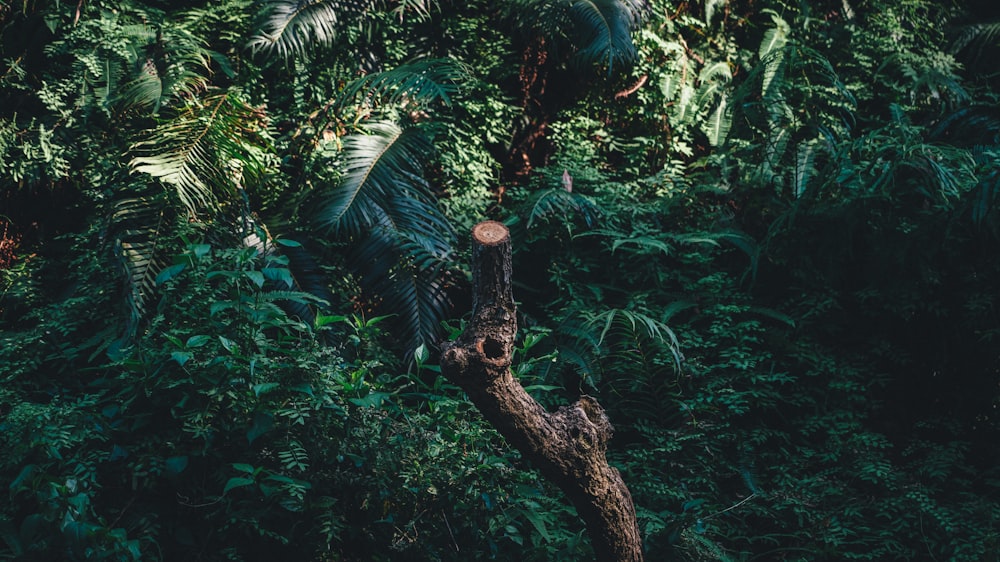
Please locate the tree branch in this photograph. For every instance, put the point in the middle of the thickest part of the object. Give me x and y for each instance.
(568, 445)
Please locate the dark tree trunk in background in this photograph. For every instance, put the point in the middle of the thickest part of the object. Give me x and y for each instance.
(568, 445)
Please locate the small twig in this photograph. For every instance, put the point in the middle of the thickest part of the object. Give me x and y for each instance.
(122, 512)
(450, 534)
(185, 501)
(734, 506)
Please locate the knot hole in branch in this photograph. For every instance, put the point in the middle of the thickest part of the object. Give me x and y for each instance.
(493, 349)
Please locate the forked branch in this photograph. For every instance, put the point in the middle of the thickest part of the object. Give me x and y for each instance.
(568, 446)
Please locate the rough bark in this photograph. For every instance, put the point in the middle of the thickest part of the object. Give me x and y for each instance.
(568, 446)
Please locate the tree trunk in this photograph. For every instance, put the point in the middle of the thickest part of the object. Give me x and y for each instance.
(568, 445)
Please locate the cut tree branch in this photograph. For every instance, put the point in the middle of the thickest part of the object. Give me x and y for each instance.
(568, 446)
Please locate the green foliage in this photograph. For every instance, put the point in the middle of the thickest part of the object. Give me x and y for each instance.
(209, 151)
(765, 240)
(230, 413)
(600, 30)
(403, 240)
(293, 28)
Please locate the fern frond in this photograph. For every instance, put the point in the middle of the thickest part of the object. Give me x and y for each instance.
(805, 168)
(771, 52)
(618, 337)
(577, 343)
(205, 152)
(718, 124)
(774, 38)
(557, 202)
(636, 321)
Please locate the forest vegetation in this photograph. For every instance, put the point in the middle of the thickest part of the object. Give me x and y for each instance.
(234, 239)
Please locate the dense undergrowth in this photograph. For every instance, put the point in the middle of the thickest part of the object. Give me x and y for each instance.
(764, 234)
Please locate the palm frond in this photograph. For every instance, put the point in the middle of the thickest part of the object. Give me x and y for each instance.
(409, 281)
(382, 185)
(977, 41)
(600, 30)
(420, 8)
(421, 82)
(969, 126)
(138, 225)
(294, 28)
(402, 243)
(984, 199)
(606, 27)
(206, 152)
(710, 7)
(170, 63)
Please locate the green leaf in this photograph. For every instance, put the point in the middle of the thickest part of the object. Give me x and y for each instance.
(604, 29)
(323, 319)
(218, 306)
(804, 168)
(293, 28)
(262, 423)
(421, 354)
(181, 357)
(372, 400)
(197, 341)
(228, 344)
(200, 250)
(775, 37)
(771, 52)
(280, 274)
(243, 467)
(26, 473)
(692, 504)
(402, 242)
(264, 388)
(644, 243)
(422, 82)
(717, 127)
(169, 273)
(236, 482)
(198, 151)
(175, 465)
(256, 277)
(538, 522)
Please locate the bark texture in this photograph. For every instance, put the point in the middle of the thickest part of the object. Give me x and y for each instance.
(568, 446)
